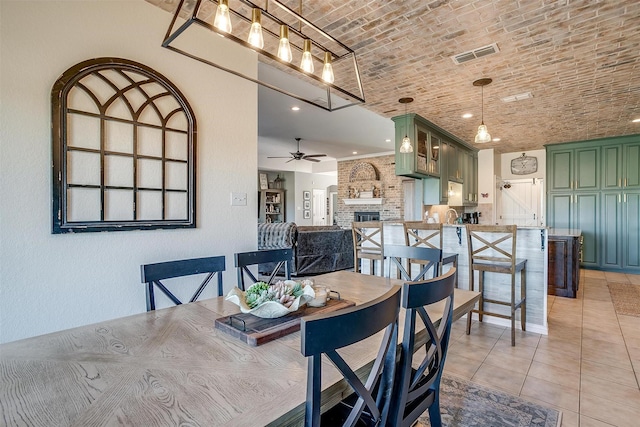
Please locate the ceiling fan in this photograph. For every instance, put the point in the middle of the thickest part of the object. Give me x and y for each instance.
(300, 156)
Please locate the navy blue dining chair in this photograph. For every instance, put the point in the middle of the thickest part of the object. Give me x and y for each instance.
(278, 259)
(402, 257)
(370, 402)
(153, 274)
(417, 385)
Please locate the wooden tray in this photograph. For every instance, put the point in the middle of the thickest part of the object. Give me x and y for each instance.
(259, 331)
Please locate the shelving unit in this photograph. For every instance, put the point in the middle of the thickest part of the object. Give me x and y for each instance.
(272, 206)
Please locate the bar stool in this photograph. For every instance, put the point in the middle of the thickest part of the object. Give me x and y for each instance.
(492, 248)
(368, 243)
(422, 234)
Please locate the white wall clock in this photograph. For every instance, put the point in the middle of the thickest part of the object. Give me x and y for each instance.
(524, 165)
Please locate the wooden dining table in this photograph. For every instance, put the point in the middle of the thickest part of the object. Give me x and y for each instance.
(172, 366)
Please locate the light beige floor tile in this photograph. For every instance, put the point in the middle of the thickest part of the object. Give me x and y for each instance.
(558, 359)
(500, 359)
(521, 351)
(605, 353)
(461, 366)
(610, 390)
(555, 375)
(522, 338)
(499, 377)
(590, 422)
(616, 277)
(634, 278)
(469, 350)
(559, 345)
(608, 411)
(551, 393)
(487, 342)
(593, 274)
(598, 370)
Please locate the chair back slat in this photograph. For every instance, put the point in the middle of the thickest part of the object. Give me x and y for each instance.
(153, 274)
(243, 260)
(368, 243)
(492, 244)
(418, 233)
(327, 333)
(417, 389)
(402, 257)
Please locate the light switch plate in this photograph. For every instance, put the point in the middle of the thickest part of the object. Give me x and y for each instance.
(238, 199)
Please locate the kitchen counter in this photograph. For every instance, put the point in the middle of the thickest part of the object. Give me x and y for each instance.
(564, 232)
(531, 243)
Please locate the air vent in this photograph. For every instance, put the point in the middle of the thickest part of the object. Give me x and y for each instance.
(475, 53)
(518, 97)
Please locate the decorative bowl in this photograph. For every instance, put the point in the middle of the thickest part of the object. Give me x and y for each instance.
(271, 309)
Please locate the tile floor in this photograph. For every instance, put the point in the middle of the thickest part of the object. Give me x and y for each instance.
(588, 366)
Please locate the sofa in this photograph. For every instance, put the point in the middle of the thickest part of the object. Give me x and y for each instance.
(317, 249)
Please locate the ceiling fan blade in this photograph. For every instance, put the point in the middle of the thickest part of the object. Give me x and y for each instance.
(315, 155)
(287, 157)
(290, 160)
(310, 159)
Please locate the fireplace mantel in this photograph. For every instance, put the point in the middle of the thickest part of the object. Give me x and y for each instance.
(363, 201)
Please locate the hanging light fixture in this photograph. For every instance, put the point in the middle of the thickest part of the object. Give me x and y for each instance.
(406, 146)
(279, 35)
(222, 20)
(255, 33)
(327, 69)
(483, 134)
(284, 47)
(307, 60)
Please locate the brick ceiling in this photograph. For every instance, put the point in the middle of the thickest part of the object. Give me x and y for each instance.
(580, 59)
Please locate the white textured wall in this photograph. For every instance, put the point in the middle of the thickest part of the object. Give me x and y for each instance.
(52, 282)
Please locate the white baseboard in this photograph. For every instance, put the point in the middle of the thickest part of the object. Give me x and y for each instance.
(531, 327)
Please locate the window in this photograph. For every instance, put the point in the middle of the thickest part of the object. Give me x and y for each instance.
(124, 141)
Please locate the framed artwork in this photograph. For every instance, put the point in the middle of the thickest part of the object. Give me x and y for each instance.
(307, 204)
(264, 184)
(307, 214)
(306, 195)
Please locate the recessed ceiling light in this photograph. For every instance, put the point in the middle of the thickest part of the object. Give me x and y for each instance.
(387, 140)
(295, 108)
(635, 121)
(518, 97)
(496, 139)
(355, 152)
(467, 115)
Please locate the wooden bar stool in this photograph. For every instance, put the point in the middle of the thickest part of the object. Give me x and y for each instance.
(368, 243)
(492, 248)
(422, 234)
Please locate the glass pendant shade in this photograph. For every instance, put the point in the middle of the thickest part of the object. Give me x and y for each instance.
(222, 20)
(327, 69)
(307, 61)
(284, 48)
(483, 134)
(406, 146)
(255, 33)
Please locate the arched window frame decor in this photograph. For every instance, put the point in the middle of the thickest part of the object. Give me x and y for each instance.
(118, 173)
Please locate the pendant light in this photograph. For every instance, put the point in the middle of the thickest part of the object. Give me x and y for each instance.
(307, 61)
(327, 69)
(406, 146)
(255, 33)
(483, 134)
(284, 48)
(222, 21)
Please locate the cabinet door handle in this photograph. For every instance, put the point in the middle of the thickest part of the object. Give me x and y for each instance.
(625, 198)
(619, 182)
(619, 198)
(626, 182)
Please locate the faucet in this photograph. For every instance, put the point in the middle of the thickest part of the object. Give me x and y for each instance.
(448, 215)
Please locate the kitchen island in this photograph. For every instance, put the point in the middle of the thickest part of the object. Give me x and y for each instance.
(531, 243)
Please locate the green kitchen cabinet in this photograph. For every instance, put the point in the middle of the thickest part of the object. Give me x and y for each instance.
(595, 186)
(425, 158)
(631, 165)
(578, 211)
(620, 230)
(574, 169)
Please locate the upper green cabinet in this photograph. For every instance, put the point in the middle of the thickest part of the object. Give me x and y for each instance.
(436, 154)
(425, 158)
(620, 166)
(574, 169)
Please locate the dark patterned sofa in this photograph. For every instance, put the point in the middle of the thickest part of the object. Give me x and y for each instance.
(317, 249)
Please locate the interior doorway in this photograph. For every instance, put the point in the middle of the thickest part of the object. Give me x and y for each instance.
(522, 202)
(333, 206)
(319, 208)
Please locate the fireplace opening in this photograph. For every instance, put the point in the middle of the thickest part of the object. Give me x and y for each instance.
(366, 216)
